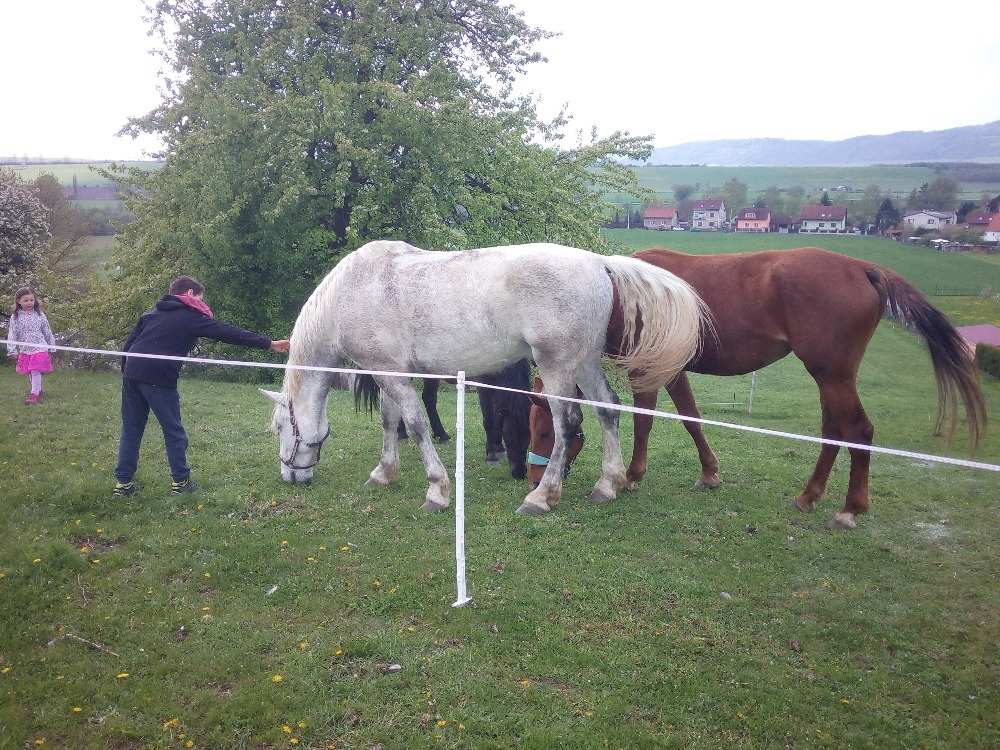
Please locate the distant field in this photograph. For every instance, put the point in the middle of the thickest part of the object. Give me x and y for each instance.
(97, 253)
(85, 172)
(925, 268)
(897, 179)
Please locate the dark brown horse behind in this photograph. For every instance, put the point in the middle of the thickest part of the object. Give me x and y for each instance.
(823, 307)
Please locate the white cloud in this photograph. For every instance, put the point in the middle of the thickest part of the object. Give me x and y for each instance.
(74, 72)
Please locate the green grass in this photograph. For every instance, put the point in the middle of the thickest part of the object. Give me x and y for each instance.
(96, 252)
(596, 626)
(895, 179)
(85, 172)
(925, 268)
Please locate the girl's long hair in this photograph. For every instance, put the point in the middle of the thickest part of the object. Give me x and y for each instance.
(17, 300)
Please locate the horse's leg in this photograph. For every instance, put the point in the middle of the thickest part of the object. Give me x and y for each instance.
(430, 399)
(490, 427)
(403, 393)
(641, 425)
(841, 401)
(683, 398)
(566, 421)
(388, 464)
(594, 385)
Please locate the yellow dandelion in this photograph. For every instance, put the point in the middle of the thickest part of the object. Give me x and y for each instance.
(284, 542)
(76, 709)
(78, 522)
(442, 723)
(588, 714)
(311, 559)
(85, 548)
(170, 723)
(100, 530)
(845, 701)
(286, 729)
(205, 609)
(302, 725)
(293, 741)
(277, 678)
(3, 574)
(345, 548)
(376, 584)
(322, 547)
(201, 507)
(525, 683)
(39, 742)
(339, 652)
(461, 726)
(36, 561)
(189, 743)
(207, 574)
(5, 670)
(303, 646)
(739, 715)
(121, 675)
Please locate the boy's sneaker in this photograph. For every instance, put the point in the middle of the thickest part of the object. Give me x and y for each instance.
(31, 399)
(184, 486)
(125, 489)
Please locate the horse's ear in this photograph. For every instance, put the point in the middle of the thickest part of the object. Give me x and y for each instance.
(276, 397)
(540, 401)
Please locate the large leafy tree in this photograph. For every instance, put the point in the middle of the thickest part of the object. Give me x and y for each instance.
(24, 235)
(296, 132)
(734, 193)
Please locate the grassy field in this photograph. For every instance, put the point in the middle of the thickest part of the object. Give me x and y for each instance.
(96, 252)
(898, 180)
(85, 172)
(262, 615)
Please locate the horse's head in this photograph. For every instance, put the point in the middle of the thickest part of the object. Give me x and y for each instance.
(300, 437)
(543, 437)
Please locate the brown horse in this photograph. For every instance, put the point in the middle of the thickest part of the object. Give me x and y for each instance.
(824, 308)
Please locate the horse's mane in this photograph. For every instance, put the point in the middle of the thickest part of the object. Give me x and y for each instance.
(308, 333)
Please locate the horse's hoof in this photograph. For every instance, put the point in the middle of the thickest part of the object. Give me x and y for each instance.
(432, 506)
(442, 438)
(711, 484)
(494, 461)
(843, 521)
(600, 497)
(532, 509)
(377, 482)
(806, 506)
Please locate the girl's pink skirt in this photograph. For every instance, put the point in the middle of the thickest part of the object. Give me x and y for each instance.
(37, 362)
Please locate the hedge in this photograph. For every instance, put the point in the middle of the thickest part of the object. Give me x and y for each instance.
(988, 359)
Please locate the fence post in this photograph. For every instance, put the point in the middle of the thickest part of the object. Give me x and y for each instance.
(462, 595)
(753, 384)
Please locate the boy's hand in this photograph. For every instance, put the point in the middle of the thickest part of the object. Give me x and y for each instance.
(280, 346)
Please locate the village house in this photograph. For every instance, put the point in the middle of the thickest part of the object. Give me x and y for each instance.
(992, 233)
(709, 214)
(927, 219)
(659, 217)
(978, 219)
(819, 219)
(754, 220)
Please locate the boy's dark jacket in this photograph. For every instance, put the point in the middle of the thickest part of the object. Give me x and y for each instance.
(172, 327)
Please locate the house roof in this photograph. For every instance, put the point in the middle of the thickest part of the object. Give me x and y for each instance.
(754, 214)
(708, 204)
(819, 212)
(659, 212)
(981, 334)
(978, 216)
(994, 225)
(785, 219)
(935, 214)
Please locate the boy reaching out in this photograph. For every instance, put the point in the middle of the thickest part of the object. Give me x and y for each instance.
(172, 327)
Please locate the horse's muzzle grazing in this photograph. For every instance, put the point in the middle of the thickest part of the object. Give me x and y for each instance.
(296, 476)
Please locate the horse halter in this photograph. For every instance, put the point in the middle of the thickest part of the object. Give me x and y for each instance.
(297, 434)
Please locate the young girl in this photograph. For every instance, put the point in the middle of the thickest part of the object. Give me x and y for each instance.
(29, 324)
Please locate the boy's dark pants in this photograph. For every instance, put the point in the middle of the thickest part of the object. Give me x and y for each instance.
(137, 399)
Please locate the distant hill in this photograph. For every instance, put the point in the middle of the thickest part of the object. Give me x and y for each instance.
(971, 143)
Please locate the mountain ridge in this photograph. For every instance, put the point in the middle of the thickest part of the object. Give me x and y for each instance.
(966, 143)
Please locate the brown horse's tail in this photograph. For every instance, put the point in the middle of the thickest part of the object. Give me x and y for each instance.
(954, 367)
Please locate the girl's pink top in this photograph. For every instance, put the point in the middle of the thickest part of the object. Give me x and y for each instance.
(32, 328)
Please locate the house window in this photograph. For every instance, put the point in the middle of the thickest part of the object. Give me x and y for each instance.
(930, 221)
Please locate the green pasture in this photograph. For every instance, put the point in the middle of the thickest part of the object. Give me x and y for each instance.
(257, 614)
(85, 172)
(898, 180)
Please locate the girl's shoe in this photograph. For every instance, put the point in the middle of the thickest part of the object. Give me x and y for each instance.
(31, 399)
(183, 487)
(125, 489)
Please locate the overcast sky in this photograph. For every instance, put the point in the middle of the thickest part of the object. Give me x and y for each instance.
(70, 77)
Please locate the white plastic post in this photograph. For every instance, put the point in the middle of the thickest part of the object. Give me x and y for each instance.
(463, 598)
(753, 384)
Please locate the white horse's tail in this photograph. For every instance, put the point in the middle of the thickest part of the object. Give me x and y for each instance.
(674, 319)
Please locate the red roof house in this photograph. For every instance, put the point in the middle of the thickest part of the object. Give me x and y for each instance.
(659, 217)
(820, 219)
(754, 220)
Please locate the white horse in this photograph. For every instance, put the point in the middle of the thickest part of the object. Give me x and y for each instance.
(393, 307)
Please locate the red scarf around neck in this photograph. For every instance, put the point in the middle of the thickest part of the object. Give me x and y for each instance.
(196, 304)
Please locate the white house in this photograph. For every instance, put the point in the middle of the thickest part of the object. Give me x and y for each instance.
(927, 219)
(709, 214)
(819, 219)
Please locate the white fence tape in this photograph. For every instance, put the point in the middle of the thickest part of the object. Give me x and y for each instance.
(462, 597)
